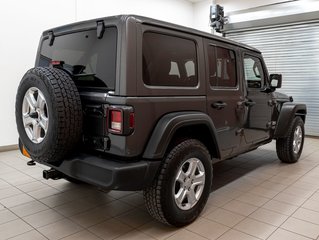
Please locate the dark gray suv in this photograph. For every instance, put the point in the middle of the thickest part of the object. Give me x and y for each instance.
(132, 103)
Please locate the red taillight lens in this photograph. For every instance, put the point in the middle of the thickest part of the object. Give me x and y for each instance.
(116, 121)
(132, 120)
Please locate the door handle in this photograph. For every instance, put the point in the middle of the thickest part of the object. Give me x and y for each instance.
(219, 105)
(247, 103)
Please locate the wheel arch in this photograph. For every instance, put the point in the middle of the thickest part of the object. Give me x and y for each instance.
(180, 125)
(287, 114)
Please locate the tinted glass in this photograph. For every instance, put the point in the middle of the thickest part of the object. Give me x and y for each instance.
(222, 67)
(169, 60)
(254, 73)
(92, 60)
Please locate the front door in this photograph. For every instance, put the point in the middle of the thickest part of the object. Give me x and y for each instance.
(224, 91)
(258, 102)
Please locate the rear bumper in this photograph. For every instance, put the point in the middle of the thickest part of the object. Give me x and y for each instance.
(109, 173)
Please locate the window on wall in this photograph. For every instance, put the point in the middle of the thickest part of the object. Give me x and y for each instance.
(169, 60)
(222, 67)
(254, 74)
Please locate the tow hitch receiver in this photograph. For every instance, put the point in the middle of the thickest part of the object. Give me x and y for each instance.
(52, 174)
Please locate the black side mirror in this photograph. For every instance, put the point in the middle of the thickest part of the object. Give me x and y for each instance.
(275, 80)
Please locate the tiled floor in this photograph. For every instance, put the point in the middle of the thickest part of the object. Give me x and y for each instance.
(255, 197)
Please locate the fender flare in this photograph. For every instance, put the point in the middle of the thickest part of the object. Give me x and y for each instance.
(167, 126)
(287, 114)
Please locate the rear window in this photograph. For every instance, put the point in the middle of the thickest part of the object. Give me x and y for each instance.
(169, 60)
(92, 61)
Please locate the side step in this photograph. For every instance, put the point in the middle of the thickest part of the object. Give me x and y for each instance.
(52, 174)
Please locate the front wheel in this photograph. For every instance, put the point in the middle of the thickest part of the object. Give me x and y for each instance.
(289, 148)
(180, 191)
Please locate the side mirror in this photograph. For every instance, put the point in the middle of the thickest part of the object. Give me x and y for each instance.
(275, 80)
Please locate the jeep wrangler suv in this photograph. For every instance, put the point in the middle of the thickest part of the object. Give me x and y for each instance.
(132, 103)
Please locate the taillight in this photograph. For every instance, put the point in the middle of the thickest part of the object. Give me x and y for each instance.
(121, 120)
(116, 121)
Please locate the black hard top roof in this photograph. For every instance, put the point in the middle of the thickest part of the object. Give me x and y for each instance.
(122, 19)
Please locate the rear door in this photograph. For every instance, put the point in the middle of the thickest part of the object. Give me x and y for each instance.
(224, 91)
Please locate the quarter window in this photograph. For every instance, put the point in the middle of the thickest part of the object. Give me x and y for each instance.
(169, 60)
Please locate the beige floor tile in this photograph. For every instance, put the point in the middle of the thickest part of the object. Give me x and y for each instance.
(32, 235)
(290, 199)
(267, 216)
(236, 235)
(280, 207)
(135, 199)
(264, 192)
(119, 194)
(225, 217)
(43, 192)
(158, 230)
(185, 235)
(217, 200)
(32, 186)
(275, 187)
(55, 200)
(135, 218)
(281, 234)
(253, 199)
(207, 228)
(43, 218)
(74, 207)
(16, 200)
(83, 235)
(13, 228)
(240, 207)
(6, 216)
(117, 208)
(307, 215)
(312, 205)
(110, 229)
(299, 192)
(9, 192)
(59, 229)
(255, 228)
(91, 217)
(301, 227)
(29, 208)
(135, 235)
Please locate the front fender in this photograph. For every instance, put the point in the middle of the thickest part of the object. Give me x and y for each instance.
(169, 124)
(287, 114)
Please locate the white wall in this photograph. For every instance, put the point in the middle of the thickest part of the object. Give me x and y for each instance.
(22, 22)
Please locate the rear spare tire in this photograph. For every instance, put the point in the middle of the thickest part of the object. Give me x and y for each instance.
(48, 114)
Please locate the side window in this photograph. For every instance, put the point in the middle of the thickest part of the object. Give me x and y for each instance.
(254, 74)
(169, 60)
(222, 67)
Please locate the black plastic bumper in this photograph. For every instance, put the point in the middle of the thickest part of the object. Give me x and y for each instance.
(109, 173)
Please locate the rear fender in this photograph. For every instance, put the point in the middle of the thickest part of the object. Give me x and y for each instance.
(167, 127)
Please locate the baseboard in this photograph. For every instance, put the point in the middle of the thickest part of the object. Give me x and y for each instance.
(9, 148)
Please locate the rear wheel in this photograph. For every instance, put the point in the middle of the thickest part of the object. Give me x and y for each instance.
(290, 148)
(180, 191)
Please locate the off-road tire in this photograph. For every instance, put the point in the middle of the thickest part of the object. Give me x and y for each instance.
(284, 146)
(64, 110)
(159, 199)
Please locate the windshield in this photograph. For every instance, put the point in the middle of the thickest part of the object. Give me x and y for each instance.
(90, 60)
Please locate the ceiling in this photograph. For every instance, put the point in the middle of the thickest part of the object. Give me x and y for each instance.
(195, 1)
